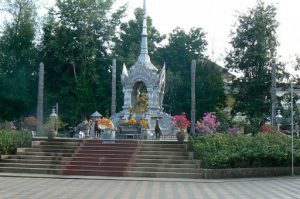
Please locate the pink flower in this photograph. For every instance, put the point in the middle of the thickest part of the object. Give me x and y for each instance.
(208, 125)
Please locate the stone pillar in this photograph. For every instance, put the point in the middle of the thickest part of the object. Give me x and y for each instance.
(127, 101)
(273, 95)
(40, 105)
(193, 97)
(113, 88)
(150, 100)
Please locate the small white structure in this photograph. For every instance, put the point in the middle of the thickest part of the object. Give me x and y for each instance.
(81, 135)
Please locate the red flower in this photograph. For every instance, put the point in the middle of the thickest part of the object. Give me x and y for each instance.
(266, 128)
(181, 121)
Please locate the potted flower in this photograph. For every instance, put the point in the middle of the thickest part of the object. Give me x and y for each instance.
(107, 126)
(51, 127)
(147, 132)
(181, 122)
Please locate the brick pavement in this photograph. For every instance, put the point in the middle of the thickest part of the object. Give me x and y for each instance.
(124, 188)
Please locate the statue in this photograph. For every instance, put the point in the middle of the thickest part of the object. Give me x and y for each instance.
(157, 130)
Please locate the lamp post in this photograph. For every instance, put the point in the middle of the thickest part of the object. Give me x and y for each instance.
(94, 126)
(292, 121)
(96, 115)
(292, 125)
(298, 108)
(53, 117)
(278, 119)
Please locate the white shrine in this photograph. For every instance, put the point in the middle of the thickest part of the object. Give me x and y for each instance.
(144, 88)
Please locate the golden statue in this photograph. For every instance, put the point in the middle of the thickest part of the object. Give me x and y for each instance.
(141, 105)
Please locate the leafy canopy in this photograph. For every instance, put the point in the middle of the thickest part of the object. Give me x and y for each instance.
(254, 45)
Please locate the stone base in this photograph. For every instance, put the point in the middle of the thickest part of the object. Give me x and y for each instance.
(165, 122)
(248, 172)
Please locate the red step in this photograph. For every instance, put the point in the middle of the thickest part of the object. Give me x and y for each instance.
(112, 164)
(105, 147)
(80, 159)
(103, 158)
(92, 152)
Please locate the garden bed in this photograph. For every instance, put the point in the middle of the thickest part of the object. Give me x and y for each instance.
(227, 151)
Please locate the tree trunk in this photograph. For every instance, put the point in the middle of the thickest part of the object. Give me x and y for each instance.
(74, 70)
(113, 87)
(193, 97)
(40, 105)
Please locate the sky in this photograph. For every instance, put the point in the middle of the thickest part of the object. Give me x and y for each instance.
(216, 18)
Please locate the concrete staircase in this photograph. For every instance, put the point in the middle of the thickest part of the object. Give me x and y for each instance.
(103, 158)
(160, 159)
(45, 157)
(164, 159)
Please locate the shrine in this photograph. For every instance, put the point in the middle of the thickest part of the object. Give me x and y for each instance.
(144, 88)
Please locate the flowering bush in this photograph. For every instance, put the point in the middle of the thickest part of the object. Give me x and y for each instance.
(268, 128)
(105, 123)
(30, 122)
(181, 121)
(241, 151)
(233, 129)
(208, 125)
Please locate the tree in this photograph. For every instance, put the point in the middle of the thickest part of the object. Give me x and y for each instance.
(177, 54)
(210, 93)
(297, 66)
(254, 45)
(76, 43)
(18, 60)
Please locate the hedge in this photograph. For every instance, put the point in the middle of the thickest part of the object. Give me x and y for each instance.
(243, 151)
(11, 140)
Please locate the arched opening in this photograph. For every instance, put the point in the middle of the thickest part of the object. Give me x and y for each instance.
(139, 98)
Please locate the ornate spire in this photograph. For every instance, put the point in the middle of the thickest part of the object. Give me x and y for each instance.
(144, 57)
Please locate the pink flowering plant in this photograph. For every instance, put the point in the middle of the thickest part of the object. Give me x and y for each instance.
(208, 125)
(181, 121)
(233, 129)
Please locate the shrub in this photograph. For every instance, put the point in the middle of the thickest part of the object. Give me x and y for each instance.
(208, 125)
(10, 141)
(242, 151)
(30, 123)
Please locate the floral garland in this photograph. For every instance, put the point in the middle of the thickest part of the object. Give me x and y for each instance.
(144, 123)
(105, 123)
(132, 121)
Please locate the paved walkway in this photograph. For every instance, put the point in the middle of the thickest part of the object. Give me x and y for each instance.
(44, 187)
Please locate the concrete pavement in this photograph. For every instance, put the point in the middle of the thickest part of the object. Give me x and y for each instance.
(23, 186)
